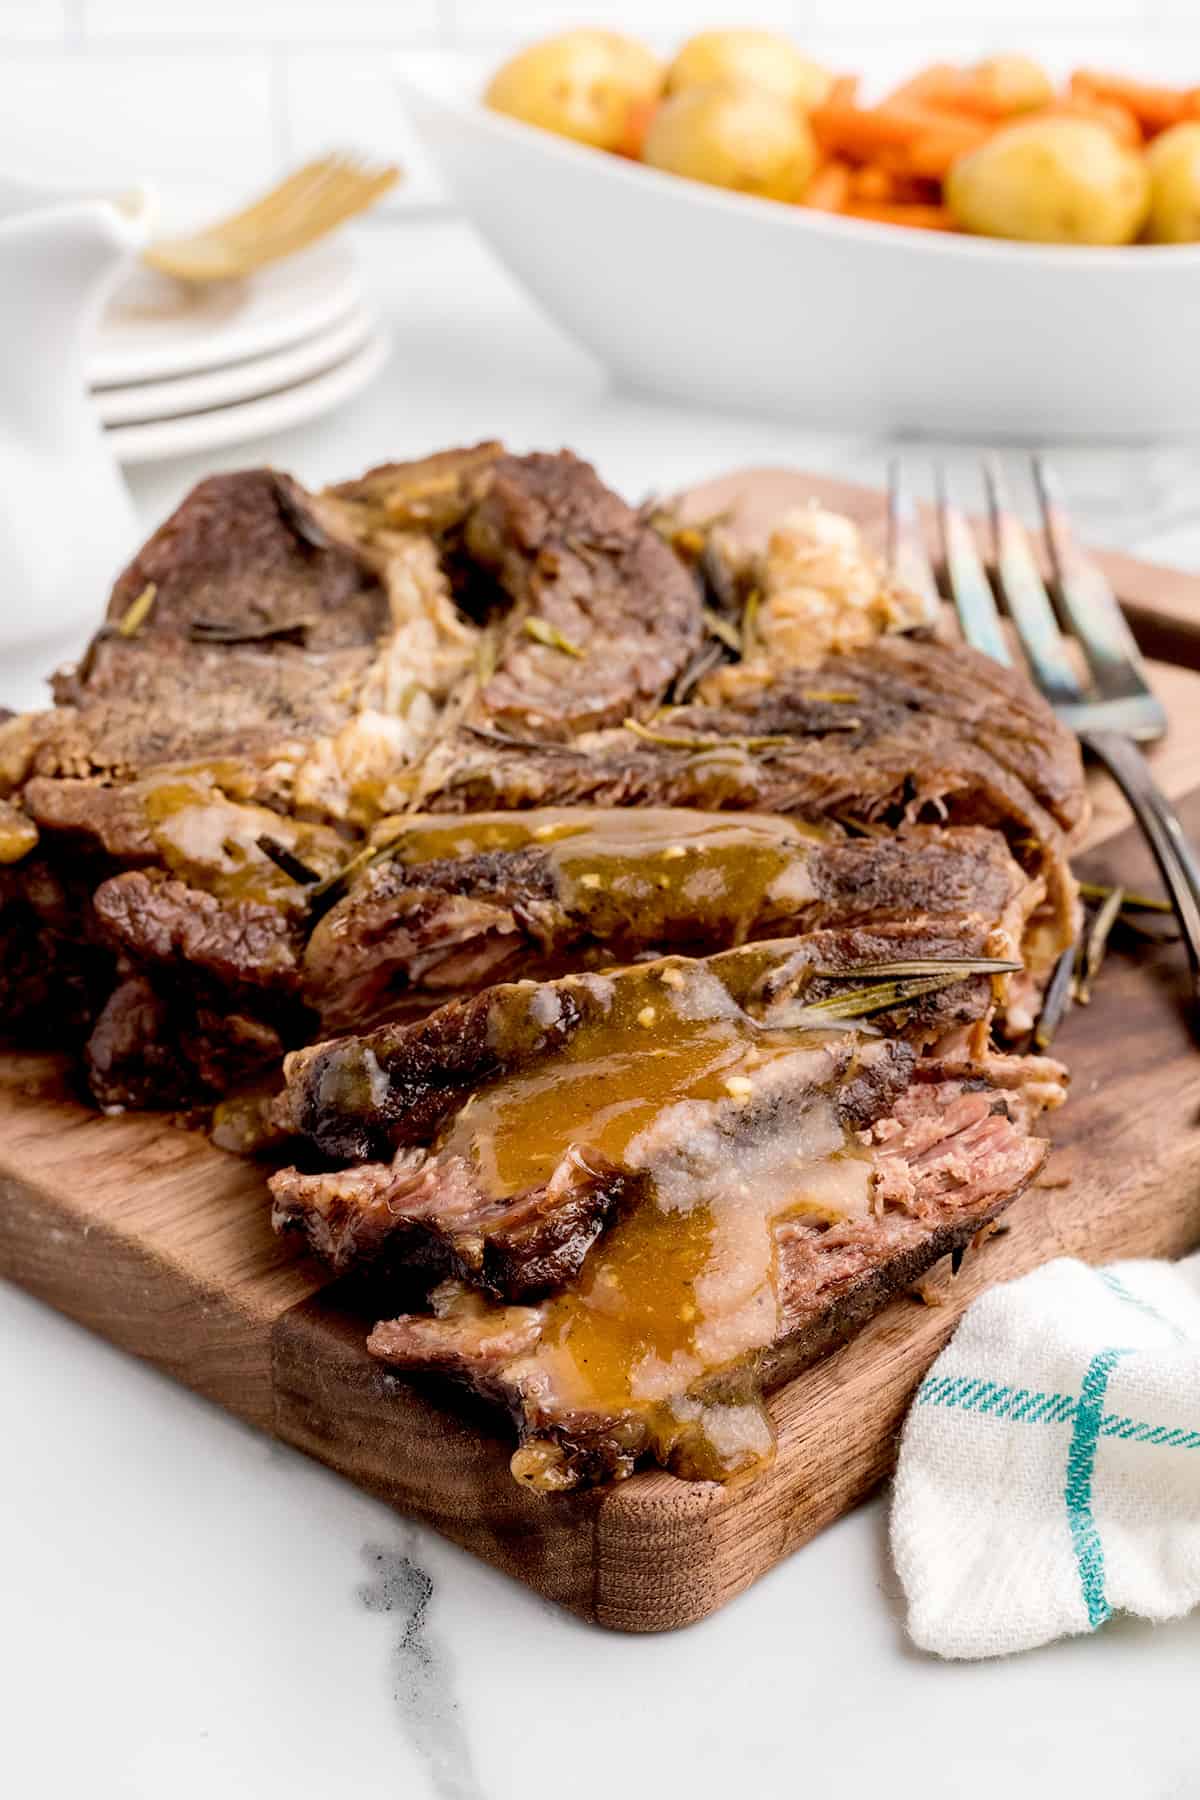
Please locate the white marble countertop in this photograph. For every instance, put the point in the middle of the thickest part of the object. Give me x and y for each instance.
(190, 1609)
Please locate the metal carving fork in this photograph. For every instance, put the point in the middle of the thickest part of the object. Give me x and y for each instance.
(1113, 710)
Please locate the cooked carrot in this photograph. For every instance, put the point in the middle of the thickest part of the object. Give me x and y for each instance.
(862, 134)
(953, 90)
(895, 212)
(935, 152)
(829, 188)
(870, 182)
(843, 91)
(637, 124)
(1110, 113)
(921, 87)
(1155, 108)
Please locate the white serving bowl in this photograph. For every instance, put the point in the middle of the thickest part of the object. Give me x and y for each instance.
(714, 297)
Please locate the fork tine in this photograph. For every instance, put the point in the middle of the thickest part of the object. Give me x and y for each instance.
(1093, 612)
(907, 559)
(1026, 598)
(970, 588)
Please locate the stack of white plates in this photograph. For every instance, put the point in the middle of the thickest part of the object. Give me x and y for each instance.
(178, 369)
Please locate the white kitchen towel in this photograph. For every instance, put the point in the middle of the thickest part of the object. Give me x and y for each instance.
(1049, 1470)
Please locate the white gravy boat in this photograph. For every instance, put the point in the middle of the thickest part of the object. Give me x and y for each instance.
(66, 519)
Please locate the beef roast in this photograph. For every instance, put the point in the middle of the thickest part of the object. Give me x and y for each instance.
(632, 1152)
(455, 905)
(358, 1098)
(751, 1257)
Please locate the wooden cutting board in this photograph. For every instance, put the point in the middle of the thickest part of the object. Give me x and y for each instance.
(147, 1234)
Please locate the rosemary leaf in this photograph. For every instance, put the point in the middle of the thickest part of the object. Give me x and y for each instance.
(750, 622)
(723, 629)
(362, 859)
(223, 631)
(1130, 902)
(1097, 942)
(881, 996)
(696, 740)
(283, 859)
(720, 581)
(542, 632)
(923, 965)
(1057, 999)
(137, 612)
(485, 657)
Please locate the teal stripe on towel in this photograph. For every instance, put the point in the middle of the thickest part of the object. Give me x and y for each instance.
(1081, 1463)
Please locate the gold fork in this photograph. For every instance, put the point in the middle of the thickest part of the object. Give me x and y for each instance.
(315, 200)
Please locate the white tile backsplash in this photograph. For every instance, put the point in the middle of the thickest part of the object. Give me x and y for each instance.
(103, 120)
(882, 21)
(222, 92)
(23, 20)
(270, 21)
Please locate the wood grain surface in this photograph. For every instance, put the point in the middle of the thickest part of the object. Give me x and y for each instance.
(147, 1234)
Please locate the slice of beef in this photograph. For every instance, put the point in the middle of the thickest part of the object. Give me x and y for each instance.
(603, 615)
(159, 1043)
(163, 921)
(232, 560)
(359, 1098)
(747, 1260)
(914, 728)
(457, 906)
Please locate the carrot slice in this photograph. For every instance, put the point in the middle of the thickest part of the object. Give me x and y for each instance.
(1155, 108)
(843, 91)
(862, 134)
(870, 182)
(953, 90)
(1117, 118)
(637, 124)
(829, 188)
(935, 152)
(895, 212)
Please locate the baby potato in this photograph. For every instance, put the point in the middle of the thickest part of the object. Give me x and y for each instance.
(762, 59)
(1174, 163)
(734, 137)
(1052, 181)
(1014, 83)
(586, 85)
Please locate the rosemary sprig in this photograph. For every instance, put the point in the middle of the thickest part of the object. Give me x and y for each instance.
(698, 740)
(721, 628)
(923, 965)
(1097, 943)
(750, 621)
(283, 859)
(137, 612)
(686, 682)
(1057, 999)
(490, 735)
(225, 631)
(882, 996)
(543, 632)
(720, 582)
(1130, 902)
(330, 887)
(485, 656)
